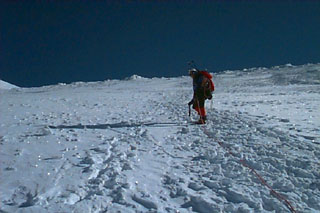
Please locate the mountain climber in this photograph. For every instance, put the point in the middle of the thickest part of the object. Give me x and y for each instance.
(202, 89)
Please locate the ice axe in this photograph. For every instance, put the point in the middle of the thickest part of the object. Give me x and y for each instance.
(189, 104)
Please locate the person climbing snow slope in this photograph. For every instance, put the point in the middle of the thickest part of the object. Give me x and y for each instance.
(202, 90)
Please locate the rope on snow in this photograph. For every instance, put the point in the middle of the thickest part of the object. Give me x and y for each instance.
(280, 197)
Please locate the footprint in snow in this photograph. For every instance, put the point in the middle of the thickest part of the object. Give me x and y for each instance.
(146, 203)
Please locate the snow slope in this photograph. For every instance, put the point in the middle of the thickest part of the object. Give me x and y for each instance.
(128, 146)
(5, 85)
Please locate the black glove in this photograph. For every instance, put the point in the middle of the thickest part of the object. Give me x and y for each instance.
(190, 103)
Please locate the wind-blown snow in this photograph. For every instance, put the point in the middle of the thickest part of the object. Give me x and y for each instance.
(6, 85)
(128, 145)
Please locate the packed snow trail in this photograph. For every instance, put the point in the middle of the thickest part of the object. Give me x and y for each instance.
(128, 146)
(262, 180)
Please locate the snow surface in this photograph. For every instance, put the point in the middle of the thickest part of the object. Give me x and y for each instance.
(6, 85)
(128, 146)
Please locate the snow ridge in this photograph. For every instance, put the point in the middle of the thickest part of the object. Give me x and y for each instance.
(6, 85)
(135, 77)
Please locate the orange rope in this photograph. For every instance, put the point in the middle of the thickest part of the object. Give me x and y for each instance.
(262, 180)
(243, 163)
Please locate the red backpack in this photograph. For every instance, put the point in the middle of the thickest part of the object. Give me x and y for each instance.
(209, 77)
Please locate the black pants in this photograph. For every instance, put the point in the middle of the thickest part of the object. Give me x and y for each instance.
(199, 99)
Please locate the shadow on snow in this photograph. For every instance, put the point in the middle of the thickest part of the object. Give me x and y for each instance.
(116, 125)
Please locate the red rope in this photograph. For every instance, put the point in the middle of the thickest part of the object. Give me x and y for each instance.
(262, 180)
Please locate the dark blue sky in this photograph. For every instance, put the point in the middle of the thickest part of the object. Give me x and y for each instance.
(49, 42)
